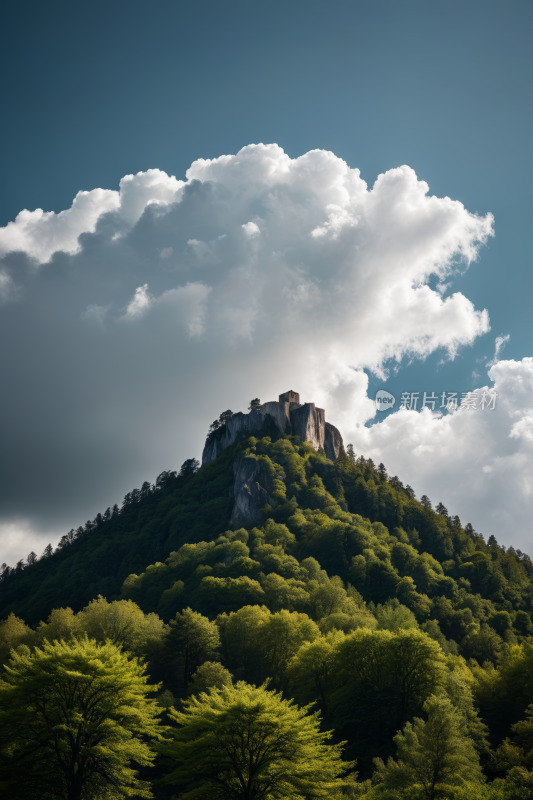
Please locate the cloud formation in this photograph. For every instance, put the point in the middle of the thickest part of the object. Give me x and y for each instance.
(137, 315)
(479, 463)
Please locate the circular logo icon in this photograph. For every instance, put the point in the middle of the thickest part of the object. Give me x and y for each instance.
(384, 400)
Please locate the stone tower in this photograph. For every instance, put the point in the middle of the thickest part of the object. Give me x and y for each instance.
(289, 416)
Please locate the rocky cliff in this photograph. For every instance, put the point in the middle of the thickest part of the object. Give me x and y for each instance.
(250, 490)
(289, 416)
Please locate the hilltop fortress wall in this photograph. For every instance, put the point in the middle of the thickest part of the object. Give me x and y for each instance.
(289, 416)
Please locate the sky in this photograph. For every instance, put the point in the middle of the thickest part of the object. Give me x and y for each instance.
(207, 202)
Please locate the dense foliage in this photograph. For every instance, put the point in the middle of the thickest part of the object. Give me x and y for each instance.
(72, 718)
(243, 741)
(408, 632)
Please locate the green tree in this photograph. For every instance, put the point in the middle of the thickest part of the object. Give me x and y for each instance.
(377, 681)
(73, 716)
(61, 624)
(392, 616)
(402, 668)
(121, 622)
(309, 673)
(210, 673)
(241, 632)
(191, 640)
(350, 453)
(243, 742)
(255, 404)
(13, 632)
(433, 756)
(189, 467)
(281, 637)
(483, 645)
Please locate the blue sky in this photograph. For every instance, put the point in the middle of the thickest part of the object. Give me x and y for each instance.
(95, 91)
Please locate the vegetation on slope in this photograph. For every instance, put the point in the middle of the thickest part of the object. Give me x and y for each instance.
(350, 594)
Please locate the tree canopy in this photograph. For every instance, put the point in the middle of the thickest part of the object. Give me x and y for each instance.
(73, 716)
(245, 743)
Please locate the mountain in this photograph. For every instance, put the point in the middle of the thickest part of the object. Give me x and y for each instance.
(270, 534)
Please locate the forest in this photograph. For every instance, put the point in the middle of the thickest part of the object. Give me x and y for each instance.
(357, 642)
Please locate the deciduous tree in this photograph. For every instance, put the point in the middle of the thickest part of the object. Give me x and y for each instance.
(243, 742)
(433, 756)
(73, 716)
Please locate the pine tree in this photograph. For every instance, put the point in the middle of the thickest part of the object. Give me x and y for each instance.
(396, 483)
(146, 489)
(255, 404)
(350, 453)
(382, 473)
(442, 510)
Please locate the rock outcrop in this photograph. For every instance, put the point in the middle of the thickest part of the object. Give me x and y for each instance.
(289, 416)
(333, 444)
(250, 490)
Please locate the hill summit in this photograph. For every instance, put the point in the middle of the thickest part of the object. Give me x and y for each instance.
(327, 577)
(288, 416)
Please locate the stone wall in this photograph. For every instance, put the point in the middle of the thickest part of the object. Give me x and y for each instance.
(289, 416)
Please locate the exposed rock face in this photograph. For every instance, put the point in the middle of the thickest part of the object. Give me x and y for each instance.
(333, 444)
(309, 423)
(289, 416)
(250, 491)
(228, 433)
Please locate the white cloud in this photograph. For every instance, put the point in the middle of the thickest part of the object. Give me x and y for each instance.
(478, 463)
(140, 303)
(41, 233)
(19, 538)
(138, 191)
(499, 344)
(251, 229)
(284, 273)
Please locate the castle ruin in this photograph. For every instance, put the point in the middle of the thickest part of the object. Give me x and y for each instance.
(289, 416)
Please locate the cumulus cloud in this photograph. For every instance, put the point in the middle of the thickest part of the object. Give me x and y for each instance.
(479, 463)
(40, 233)
(256, 274)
